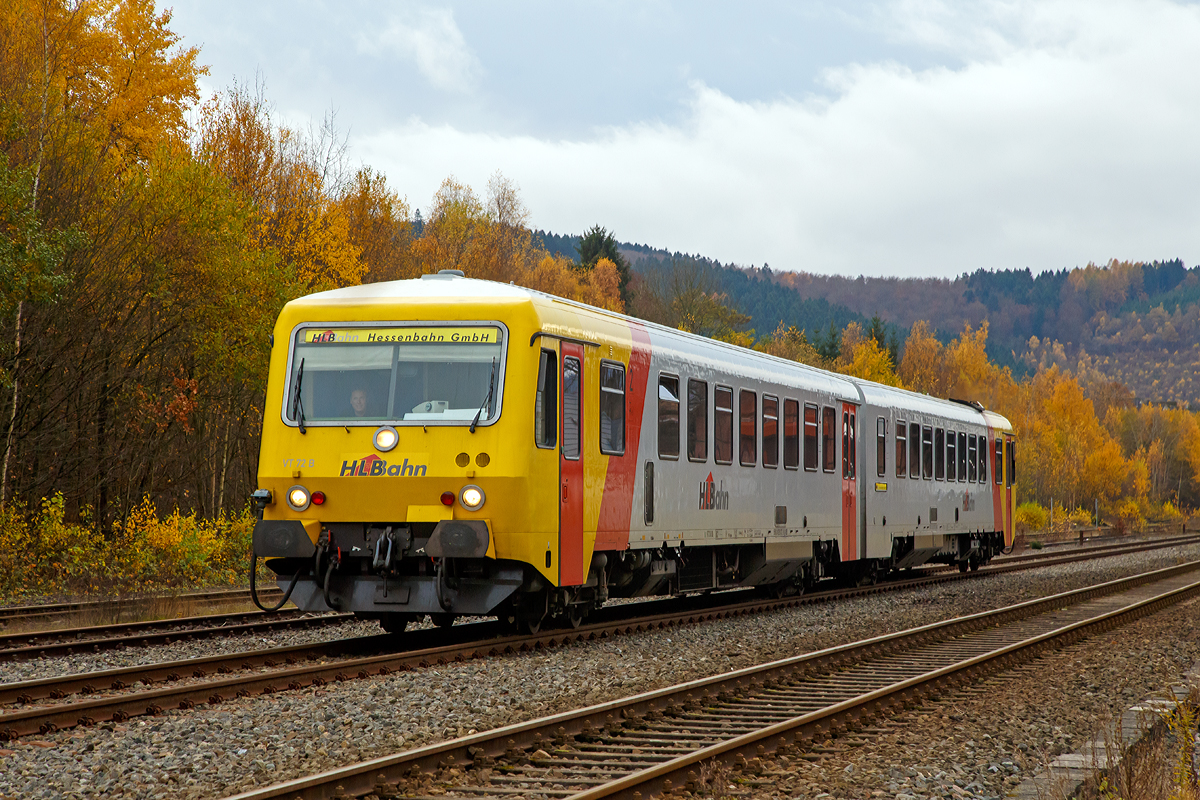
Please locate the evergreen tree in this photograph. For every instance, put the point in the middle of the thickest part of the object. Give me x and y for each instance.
(599, 243)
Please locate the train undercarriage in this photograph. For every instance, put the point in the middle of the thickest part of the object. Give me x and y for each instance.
(399, 574)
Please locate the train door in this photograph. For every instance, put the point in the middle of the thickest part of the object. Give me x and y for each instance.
(1010, 510)
(849, 484)
(570, 510)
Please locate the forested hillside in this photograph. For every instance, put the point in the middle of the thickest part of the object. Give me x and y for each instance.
(1136, 323)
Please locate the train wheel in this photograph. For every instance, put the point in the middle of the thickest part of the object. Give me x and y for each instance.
(442, 620)
(394, 623)
(975, 564)
(963, 566)
(529, 625)
(576, 615)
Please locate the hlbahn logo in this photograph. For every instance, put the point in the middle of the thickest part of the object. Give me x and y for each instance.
(374, 466)
(712, 496)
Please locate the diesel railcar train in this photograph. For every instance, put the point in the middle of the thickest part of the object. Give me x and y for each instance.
(448, 446)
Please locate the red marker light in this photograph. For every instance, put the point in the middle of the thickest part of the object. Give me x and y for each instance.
(318, 498)
(447, 498)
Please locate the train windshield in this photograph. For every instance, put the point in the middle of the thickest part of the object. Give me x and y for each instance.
(419, 375)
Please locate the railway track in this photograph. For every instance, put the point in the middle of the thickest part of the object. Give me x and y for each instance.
(46, 612)
(97, 638)
(214, 679)
(742, 726)
(94, 639)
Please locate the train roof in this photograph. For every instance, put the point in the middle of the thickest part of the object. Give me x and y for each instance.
(435, 286)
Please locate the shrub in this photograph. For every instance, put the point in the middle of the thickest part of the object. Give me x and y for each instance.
(42, 554)
(1030, 517)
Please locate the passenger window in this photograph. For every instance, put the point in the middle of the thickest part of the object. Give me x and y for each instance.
(849, 448)
(962, 456)
(972, 459)
(829, 439)
(612, 408)
(545, 404)
(999, 461)
(914, 450)
(668, 416)
(939, 454)
(770, 431)
(697, 420)
(983, 459)
(927, 452)
(881, 447)
(572, 411)
(747, 433)
(812, 455)
(723, 425)
(1011, 478)
(901, 448)
(951, 456)
(791, 434)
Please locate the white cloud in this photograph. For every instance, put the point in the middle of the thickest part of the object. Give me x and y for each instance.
(431, 40)
(1068, 135)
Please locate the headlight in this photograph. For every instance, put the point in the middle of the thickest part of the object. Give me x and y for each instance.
(386, 438)
(298, 498)
(471, 497)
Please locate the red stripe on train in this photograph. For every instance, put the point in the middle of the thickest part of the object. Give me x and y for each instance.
(616, 507)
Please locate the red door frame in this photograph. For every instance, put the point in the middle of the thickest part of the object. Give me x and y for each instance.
(570, 509)
(849, 483)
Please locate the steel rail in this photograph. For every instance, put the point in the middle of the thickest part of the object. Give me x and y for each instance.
(21, 646)
(739, 689)
(612, 621)
(77, 607)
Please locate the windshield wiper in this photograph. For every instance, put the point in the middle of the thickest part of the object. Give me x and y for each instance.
(488, 399)
(297, 404)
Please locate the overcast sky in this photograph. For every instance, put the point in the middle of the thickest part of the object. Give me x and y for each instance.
(913, 138)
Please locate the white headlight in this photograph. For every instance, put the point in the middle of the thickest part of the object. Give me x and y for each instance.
(298, 498)
(471, 497)
(386, 438)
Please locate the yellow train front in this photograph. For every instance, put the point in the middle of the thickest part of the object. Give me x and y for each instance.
(397, 475)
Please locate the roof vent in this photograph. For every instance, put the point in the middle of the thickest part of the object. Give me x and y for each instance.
(457, 272)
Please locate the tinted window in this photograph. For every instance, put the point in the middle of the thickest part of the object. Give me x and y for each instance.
(812, 455)
(828, 439)
(962, 456)
(939, 454)
(791, 434)
(545, 403)
(951, 456)
(999, 475)
(770, 431)
(972, 459)
(723, 425)
(914, 450)
(901, 448)
(572, 411)
(747, 435)
(697, 420)
(1011, 478)
(983, 459)
(668, 416)
(612, 408)
(849, 447)
(927, 452)
(881, 446)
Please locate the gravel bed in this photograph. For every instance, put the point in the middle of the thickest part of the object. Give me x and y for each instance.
(983, 742)
(214, 752)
